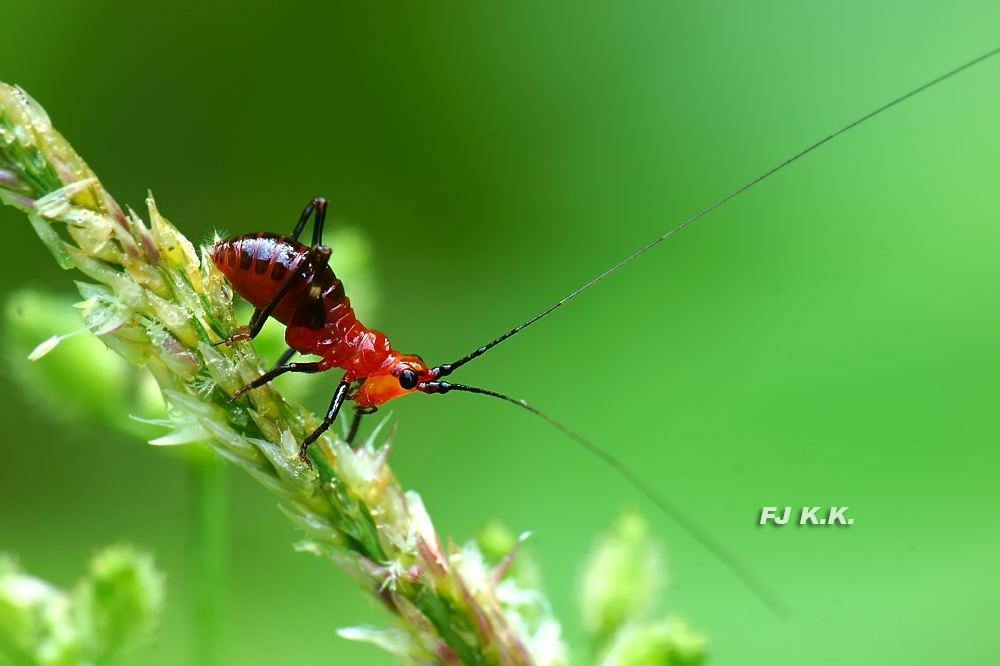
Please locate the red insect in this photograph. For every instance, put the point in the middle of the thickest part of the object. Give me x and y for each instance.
(294, 284)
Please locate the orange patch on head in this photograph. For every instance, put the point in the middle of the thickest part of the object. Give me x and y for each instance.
(399, 378)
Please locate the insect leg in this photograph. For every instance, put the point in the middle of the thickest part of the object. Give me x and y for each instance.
(318, 223)
(285, 358)
(320, 259)
(319, 205)
(272, 373)
(255, 319)
(353, 431)
(356, 421)
(247, 332)
(310, 311)
(331, 414)
(259, 317)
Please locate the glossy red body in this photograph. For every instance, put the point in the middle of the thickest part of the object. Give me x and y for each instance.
(316, 312)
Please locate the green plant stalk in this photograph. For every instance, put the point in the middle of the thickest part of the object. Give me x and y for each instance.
(156, 304)
(211, 548)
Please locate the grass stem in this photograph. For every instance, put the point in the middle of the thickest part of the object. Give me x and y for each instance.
(211, 554)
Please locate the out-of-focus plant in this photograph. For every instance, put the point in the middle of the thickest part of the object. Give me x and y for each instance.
(622, 580)
(158, 306)
(112, 607)
(80, 379)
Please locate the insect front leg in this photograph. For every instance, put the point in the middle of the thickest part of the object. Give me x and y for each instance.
(331, 415)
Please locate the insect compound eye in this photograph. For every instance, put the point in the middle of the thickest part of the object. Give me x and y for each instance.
(408, 379)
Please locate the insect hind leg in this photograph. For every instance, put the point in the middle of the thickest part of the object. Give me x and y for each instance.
(320, 259)
(248, 332)
(319, 205)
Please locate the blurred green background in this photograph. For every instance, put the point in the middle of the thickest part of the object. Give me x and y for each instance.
(829, 338)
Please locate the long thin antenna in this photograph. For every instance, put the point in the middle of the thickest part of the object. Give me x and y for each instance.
(448, 368)
(700, 534)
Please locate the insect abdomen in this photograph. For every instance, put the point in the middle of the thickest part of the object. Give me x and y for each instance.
(258, 264)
